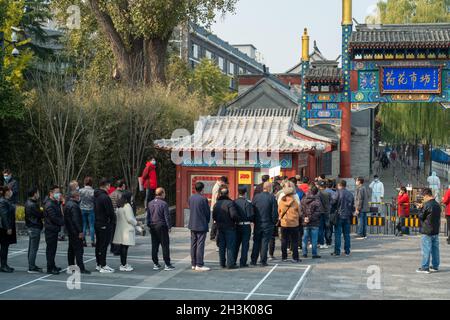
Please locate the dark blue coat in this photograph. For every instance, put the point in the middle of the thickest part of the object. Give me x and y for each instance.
(158, 213)
(200, 213)
(345, 203)
(266, 210)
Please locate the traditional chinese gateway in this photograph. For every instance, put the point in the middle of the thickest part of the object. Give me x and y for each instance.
(290, 115)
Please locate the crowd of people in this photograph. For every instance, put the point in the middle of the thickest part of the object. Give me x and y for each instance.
(302, 214)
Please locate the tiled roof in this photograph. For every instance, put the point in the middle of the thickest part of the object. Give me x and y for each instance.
(225, 45)
(327, 71)
(264, 134)
(401, 36)
(280, 112)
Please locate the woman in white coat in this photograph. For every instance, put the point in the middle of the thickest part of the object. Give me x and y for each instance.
(125, 234)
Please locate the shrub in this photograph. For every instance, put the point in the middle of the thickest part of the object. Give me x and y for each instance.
(20, 213)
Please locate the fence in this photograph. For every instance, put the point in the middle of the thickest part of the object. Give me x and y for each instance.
(442, 170)
(385, 221)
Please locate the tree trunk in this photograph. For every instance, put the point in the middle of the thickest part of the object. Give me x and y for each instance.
(155, 50)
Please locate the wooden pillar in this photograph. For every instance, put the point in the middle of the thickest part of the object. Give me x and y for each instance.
(346, 141)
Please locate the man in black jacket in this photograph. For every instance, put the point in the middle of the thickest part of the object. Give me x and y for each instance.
(246, 214)
(430, 216)
(53, 221)
(266, 216)
(225, 216)
(104, 220)
(158, 221)
(73, 220)
(33, 221)
(199, 217)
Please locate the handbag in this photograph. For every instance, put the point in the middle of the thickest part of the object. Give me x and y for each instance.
(283, 214)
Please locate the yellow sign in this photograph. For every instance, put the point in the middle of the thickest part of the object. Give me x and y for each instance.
(245, 177)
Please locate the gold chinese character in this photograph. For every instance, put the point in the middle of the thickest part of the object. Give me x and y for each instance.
(402, 78)
(413, 77)
(425, 79)
(390, 79)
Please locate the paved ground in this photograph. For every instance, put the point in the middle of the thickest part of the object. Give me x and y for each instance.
(327, 278)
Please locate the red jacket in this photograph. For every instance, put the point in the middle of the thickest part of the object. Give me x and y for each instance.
(304, 187)
(149, 176)
(403, 205)
(446, 201)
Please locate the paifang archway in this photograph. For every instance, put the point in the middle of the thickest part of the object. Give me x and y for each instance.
(407, 63)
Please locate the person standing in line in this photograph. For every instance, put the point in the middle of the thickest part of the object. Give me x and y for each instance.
(345, 208)
(158, 220)
(446, 202)
(125, 233)
(332, 192)
(403, 209)
(266, 217)
(289, 218)
(377, 189)
(104, 220)
(115, 197)
(149, 180)
(430, 216)
(276, 191)
(13, 185)
(33, 221)
(53, 221)
(87, 210)
(259, 187)
(222, 181)
(7, 227)
(304, 186)
(246, 214)
(311, 211)
(199, 218)
(226, 216)
(73, 220)
(324, 229)
(361, 207)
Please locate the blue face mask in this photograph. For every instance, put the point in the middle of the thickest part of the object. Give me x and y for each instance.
(7, 178)
(57, 196)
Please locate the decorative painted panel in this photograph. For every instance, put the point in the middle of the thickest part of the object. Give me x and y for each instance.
(410, 80)
(367, 81)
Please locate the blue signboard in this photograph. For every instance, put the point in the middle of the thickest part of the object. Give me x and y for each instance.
(411, 80)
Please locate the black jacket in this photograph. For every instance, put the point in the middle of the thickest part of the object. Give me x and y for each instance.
(311, 207)
(225, 214)
(103, 208)
(13, 184)
(33, 215)
(73, 219)
(266, 210)
(53, 217)
(200, 213)
(7, 217)
(430, 215)
(245, 209)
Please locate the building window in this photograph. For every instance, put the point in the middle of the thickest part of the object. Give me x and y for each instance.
(221, 62)
(231, 69)
(241, 70)
(208, 55)
(195, 50)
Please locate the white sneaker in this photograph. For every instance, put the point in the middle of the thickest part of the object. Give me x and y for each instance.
(197, 268)
(126, 268)
(193, 267)
(108, 268)
(98, 268)
(104, 270)
(70, 270)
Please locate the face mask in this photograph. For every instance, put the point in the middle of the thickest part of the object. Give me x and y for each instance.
(7, 178)
(57, 196)
(153, 162)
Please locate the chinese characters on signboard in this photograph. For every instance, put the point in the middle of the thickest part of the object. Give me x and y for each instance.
(411, 80)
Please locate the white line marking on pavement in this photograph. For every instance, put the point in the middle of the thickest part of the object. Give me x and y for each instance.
(299, 283)
(261, 282)
(38, 279)
(16, 253)
(164, 289)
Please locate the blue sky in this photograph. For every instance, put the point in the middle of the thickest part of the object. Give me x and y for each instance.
(275, 27)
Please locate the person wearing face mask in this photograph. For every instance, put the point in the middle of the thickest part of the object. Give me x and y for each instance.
(434, 184)
(7, 227)
(13, 185)
(33, 221)
(53, 221)
(377, 189)
(149, 180)
(361, 207)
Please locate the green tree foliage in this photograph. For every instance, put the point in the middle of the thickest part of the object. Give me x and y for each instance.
(139, 31)
(419, 122)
